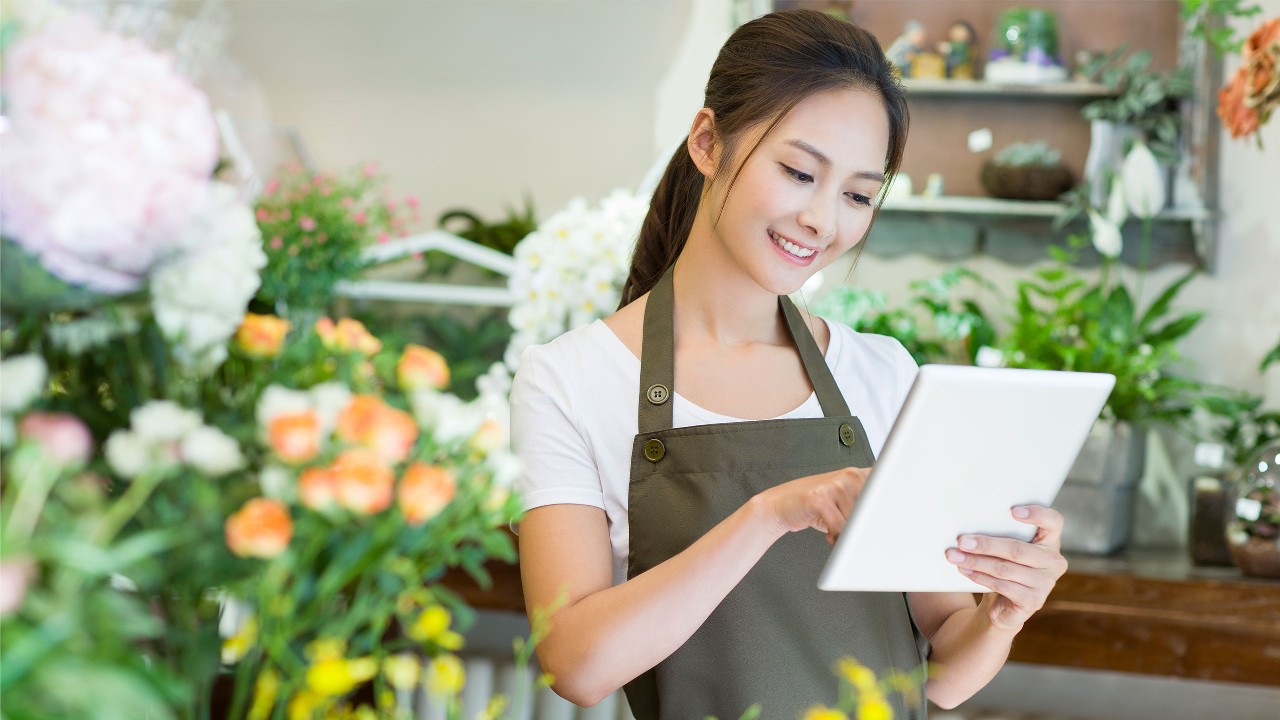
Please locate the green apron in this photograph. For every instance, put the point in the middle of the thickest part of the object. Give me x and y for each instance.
(776, 638)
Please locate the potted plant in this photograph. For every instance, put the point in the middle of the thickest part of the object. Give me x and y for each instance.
(1026, 171)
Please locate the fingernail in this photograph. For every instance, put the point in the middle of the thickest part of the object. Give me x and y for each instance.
(1021, 512)
(955, 556)
(968, 543)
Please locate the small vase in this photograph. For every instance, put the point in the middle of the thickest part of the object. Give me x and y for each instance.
(1253, 535)
(1107, 141)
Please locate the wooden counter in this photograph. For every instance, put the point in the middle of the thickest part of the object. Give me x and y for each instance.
(1147, 612)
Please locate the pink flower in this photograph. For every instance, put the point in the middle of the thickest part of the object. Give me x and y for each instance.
(391, 205)
(307, 223)
(15, 574)
(412, 201)
(262, 215)
(277, 243)
(272, 186)
(359, 217)
(63, 438)
(383, 237)
(108, 156)
(370, 169)
(348, 202)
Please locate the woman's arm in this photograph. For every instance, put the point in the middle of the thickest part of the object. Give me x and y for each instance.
(600, 636)
(971, 643)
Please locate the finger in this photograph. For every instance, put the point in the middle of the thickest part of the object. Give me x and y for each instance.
(998, 568)
(1013, 550)
(1048, 520)
(832, 519)
(1017, 593)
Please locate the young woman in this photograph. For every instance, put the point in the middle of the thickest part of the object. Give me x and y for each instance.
(680, 453)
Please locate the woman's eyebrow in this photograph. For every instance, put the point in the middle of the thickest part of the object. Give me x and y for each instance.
(825, 161)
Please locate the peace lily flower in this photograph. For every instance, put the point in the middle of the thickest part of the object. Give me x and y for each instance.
(1143, 182)
(1106, 235)
(1117, 210)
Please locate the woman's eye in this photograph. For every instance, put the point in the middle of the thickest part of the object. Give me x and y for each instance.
(860, 199)
(799, 176)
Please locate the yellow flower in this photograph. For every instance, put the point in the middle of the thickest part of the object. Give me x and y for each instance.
(238, 645)
(861, 677)
(873, 706)
(432, 625)
(304, 706)
(818, 712)
(262, 335)
(265, 691)
(326, 649)
(334, 677)
(445, 676)
(497, 706)
(402, 670)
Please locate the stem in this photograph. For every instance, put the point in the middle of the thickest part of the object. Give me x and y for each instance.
(35, 479)
(1142, 259)
(127, 506)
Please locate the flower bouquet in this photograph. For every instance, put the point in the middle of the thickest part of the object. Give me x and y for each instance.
(1246, 103)
(204, 512)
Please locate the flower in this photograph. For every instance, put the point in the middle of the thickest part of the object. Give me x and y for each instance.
(818, 712)
(874, 707)
(1106, 235)
(445, 416)
(348, 335)
(489, 437)
(1246, 103)
(211, 451)
(262, 336)
(861, 677)
(128, 453)
(333, 677)
(445, 676)
(22, 379)
(277, 400)
(422, 368)
(295, 437)
(432, 626)
(163, 421)
(402, 670)
(317, 489)
(62, 438)
(363, 483)
(237, 643)
(16, 573)
(265, 691)
(261, 528)
(369, 421)
(1143, 182)
(107, 157)
(424, 491)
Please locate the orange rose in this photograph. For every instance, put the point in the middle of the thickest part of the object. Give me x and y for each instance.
(424, 491)
(489, 436)
(1261, 39)
(317, 488)
(362, 482)
(347, 335)
(262, 335)
(370, 422)
(422, 368)
(261, 528)
(295, 437)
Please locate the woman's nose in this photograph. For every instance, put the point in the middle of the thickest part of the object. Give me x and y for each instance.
(818, 216)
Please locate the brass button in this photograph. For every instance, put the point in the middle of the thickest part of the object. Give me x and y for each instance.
(654, 450)
(658, 394)
(847, 436)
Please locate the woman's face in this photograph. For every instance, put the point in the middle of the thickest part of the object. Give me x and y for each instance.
(807, 193)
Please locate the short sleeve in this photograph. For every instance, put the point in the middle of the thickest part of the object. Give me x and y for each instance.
(558, 466)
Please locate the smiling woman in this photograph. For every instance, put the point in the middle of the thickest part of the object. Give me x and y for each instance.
(677, 452)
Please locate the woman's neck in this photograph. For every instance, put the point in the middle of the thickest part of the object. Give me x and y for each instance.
(716, 300)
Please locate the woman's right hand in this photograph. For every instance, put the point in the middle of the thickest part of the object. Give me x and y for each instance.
(822, 502)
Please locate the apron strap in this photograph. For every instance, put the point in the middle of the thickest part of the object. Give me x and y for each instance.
(658, 359)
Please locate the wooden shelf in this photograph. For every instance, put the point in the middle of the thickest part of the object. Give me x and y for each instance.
(983, 88)
(963, 205)
(1152, 613)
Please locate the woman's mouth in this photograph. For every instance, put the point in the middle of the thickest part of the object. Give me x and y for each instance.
(790, 250)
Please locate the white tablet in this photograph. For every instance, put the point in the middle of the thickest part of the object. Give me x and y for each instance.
(969, 445)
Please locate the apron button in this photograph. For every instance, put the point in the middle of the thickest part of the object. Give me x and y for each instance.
(654, 450)
(658, 394)
(847, 436)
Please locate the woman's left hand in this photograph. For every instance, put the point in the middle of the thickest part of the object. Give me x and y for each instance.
(1020, 574)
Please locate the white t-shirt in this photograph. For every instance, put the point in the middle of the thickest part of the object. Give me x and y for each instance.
(574, 404)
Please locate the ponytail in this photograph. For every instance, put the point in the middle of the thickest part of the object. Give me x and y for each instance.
(666, 226)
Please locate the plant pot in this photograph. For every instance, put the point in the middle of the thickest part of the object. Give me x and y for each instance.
(1256, 557)
(1025, 182)
(1107, 142)
(1097, 498)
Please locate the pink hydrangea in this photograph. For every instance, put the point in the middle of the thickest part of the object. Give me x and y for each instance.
(109, 152)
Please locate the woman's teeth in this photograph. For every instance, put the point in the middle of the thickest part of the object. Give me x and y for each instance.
(790, 246)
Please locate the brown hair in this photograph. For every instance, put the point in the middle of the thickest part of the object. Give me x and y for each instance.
(766, 68)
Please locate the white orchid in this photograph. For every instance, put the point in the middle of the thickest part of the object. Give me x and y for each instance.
(1143, 182)
(570, 271)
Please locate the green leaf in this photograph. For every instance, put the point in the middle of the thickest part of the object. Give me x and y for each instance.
(1272, 357)
(1160, 306)
(1175, 329)
(26, 286)
(103, 692)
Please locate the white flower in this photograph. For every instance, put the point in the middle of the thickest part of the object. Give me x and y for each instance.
(448, 418)
(163, 421)
(989, 357)
(277, 400)
(128, 453)
(329, 399)
(496, 383)
(211, 452)
(1106, 236)
(199, 298)
(1143, 182)
(22, 379)
(1117, 210)
(505, 467)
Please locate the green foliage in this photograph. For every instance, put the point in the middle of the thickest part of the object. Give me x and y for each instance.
(471, 341)
(1061, 321)
(959, 326)
(502, 235)
(1037, 154)
(1210, 21)
(1147, 100)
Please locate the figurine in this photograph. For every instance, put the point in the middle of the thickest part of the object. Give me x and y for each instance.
(959, 49)
(906, 47)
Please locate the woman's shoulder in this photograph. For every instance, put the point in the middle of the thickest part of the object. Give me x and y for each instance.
(851, 347)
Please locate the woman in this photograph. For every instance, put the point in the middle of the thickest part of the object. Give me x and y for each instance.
(679, 453)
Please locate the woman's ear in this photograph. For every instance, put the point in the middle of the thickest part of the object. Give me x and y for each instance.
(704, 144)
